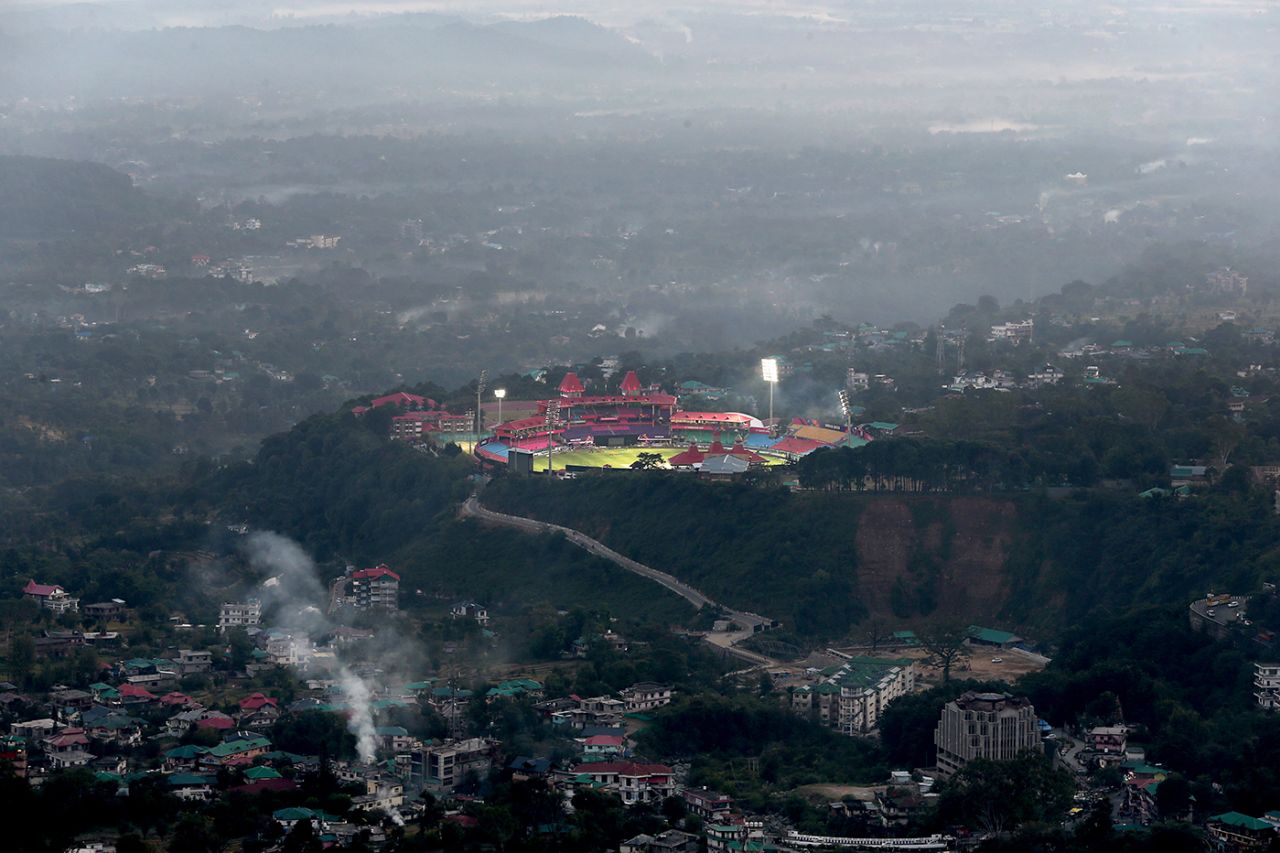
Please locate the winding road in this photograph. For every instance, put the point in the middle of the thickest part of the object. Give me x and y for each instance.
(750, 623)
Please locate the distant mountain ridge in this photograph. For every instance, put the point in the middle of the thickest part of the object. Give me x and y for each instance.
(235, 60)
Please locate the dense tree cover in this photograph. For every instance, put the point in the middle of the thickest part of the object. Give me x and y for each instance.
(719, 732)
(783, 554)
(337, 484)
(997, 796)
(1111, 551)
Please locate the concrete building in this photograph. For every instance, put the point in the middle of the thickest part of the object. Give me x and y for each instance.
(852, 697)
(239, 615)
(445, 766)
(645, 696)
(997, 726)
(1266, 685)
(376, 589)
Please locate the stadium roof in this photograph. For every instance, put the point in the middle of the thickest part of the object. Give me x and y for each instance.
(631, 383)
(793, 446)
(821, 434)
(571, 384)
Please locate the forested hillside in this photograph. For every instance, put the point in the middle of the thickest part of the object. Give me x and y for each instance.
(338, 486)
(824, 561)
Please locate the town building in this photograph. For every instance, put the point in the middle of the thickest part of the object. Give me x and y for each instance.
(708, 805)
(1266, 685)
(376, 589)
(645, 696)
(445, 766)
(1107, 744)
(107, 611)
(50, 597)
(239, 615)
(1016, 332)
(671, 841)
(633, 782)
(851, 697)
(996, 726)
(1240, 833)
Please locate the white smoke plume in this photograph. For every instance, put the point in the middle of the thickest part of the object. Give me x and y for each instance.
(293, 590)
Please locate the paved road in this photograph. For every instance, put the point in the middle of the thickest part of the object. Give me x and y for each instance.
(750, 622)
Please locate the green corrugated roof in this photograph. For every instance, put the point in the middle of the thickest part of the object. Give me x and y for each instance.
(256, 774)
(190, 750)
(236, 747)
(991, 635)
(1242, 821)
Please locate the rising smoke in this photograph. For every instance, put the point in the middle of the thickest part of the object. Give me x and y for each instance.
(293, 594)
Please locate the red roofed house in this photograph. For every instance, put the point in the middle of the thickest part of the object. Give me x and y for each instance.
(132, 694)
(254, 701)
(603, 746)
(634, 783)
(376, 589)
(631, 384)
(175, 699)
(217, 721)
(571, 385)
(401, 400)
(50, 596)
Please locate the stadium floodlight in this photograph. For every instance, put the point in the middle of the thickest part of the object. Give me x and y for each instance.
(484, 374)
(846, 409)
(499, 393)
(553, 412)
(769, 370)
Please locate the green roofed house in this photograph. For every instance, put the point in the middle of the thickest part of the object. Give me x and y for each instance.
(979, 636)
(1236, 831)
(239, 751)
(257, 774)
(906, 638)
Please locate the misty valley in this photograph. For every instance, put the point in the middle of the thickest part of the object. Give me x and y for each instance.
(648, 427)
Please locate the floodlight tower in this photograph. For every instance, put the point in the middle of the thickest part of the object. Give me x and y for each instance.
(846, 410)
(500, 393)
(484, 374)
(553, 412)
(769, 370)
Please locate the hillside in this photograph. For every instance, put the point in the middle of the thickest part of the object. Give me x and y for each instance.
(823, 562)
(44, 197)
(350, 495)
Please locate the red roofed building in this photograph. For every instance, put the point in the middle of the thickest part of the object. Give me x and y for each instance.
(175, 699)
(634, 783)
(631, 384)
(217, 721)
(254, 701)
(401, 400)
(133, 694)
(793, 448)
(376, 589)
(571, 385)
(603, 746)
(687, 458)
(50, 596)
(740, 449)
